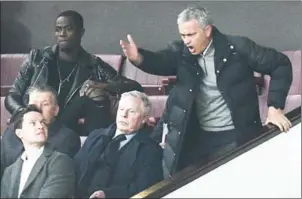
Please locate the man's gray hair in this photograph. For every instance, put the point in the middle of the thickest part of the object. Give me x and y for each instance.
(202, 15)
(45, 89)
(143, 97)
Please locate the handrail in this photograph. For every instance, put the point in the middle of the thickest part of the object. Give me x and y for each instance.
(195, 171)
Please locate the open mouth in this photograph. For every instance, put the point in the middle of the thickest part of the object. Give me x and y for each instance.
(190, 47)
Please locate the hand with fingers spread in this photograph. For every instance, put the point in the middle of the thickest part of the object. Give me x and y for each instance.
(130, 50)
(277, 117)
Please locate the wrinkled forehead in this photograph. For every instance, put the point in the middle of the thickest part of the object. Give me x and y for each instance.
(191, 25)
(131, 102)
(36, 96)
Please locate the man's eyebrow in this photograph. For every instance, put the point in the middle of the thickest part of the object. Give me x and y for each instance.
(187, 33)
(58, 26)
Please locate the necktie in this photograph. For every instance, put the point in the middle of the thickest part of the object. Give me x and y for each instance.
(111, 151)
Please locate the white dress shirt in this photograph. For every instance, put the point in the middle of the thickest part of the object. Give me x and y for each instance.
(29, 160)
(128, 137)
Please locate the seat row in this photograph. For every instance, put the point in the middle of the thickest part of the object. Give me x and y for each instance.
(157, 87)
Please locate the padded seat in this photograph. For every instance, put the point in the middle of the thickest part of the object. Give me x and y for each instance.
(153, 84)
(5, 115)
(10, 66)
(158, 105)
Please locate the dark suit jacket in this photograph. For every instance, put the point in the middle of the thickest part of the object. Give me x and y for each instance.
(139, 166)
(51, 177)
(60, 137)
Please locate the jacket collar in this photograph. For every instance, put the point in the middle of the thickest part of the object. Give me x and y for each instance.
(223, 48)
(142, 135)
(38, 166)
(17, 168)
(85, 62)
(85, 58)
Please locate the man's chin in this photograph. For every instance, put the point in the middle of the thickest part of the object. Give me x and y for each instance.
(64, 47)
(39, 142)
(121, 128)
(194, 52)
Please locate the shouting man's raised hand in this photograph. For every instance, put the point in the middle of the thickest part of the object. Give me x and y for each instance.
(131, 51)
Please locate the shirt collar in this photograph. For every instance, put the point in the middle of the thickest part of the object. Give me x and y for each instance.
(208, 48)
(128, 136)
(32, 154)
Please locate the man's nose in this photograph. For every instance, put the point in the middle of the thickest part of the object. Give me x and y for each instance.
(187, 40)
(124, 114)
(39, 125)
(62, 32)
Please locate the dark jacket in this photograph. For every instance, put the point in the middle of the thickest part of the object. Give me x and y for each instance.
(236, 58)
(139, 166)
(60, 137)
(51, 177)
(34, 71)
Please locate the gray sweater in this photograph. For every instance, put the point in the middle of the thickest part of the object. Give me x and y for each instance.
(212, 111)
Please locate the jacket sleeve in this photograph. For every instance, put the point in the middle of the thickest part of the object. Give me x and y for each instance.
(11, 148)
(3, 159)
(162, 62)
(104, 72)
(60, 180)
(14, 98)
(149, 173)
(86, 146)
(158, 130)
(271, 62)
(157, 133)
(83, 151)
(5, 183)
(70, 144)
(117, 83)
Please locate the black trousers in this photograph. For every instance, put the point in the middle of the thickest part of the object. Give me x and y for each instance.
(206, 146)
(95, 113)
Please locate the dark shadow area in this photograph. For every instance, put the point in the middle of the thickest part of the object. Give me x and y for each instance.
(15, 37)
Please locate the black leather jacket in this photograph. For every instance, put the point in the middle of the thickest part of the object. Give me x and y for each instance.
(34, 71)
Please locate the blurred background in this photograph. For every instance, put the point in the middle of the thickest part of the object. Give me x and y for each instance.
(26, 25)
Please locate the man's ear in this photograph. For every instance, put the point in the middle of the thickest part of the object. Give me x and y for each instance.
(56, 110)
(146, 118)
(208, 31)
(82, 32)
(19, 133)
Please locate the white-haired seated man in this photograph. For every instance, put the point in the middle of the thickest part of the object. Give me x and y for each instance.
(121, 160)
